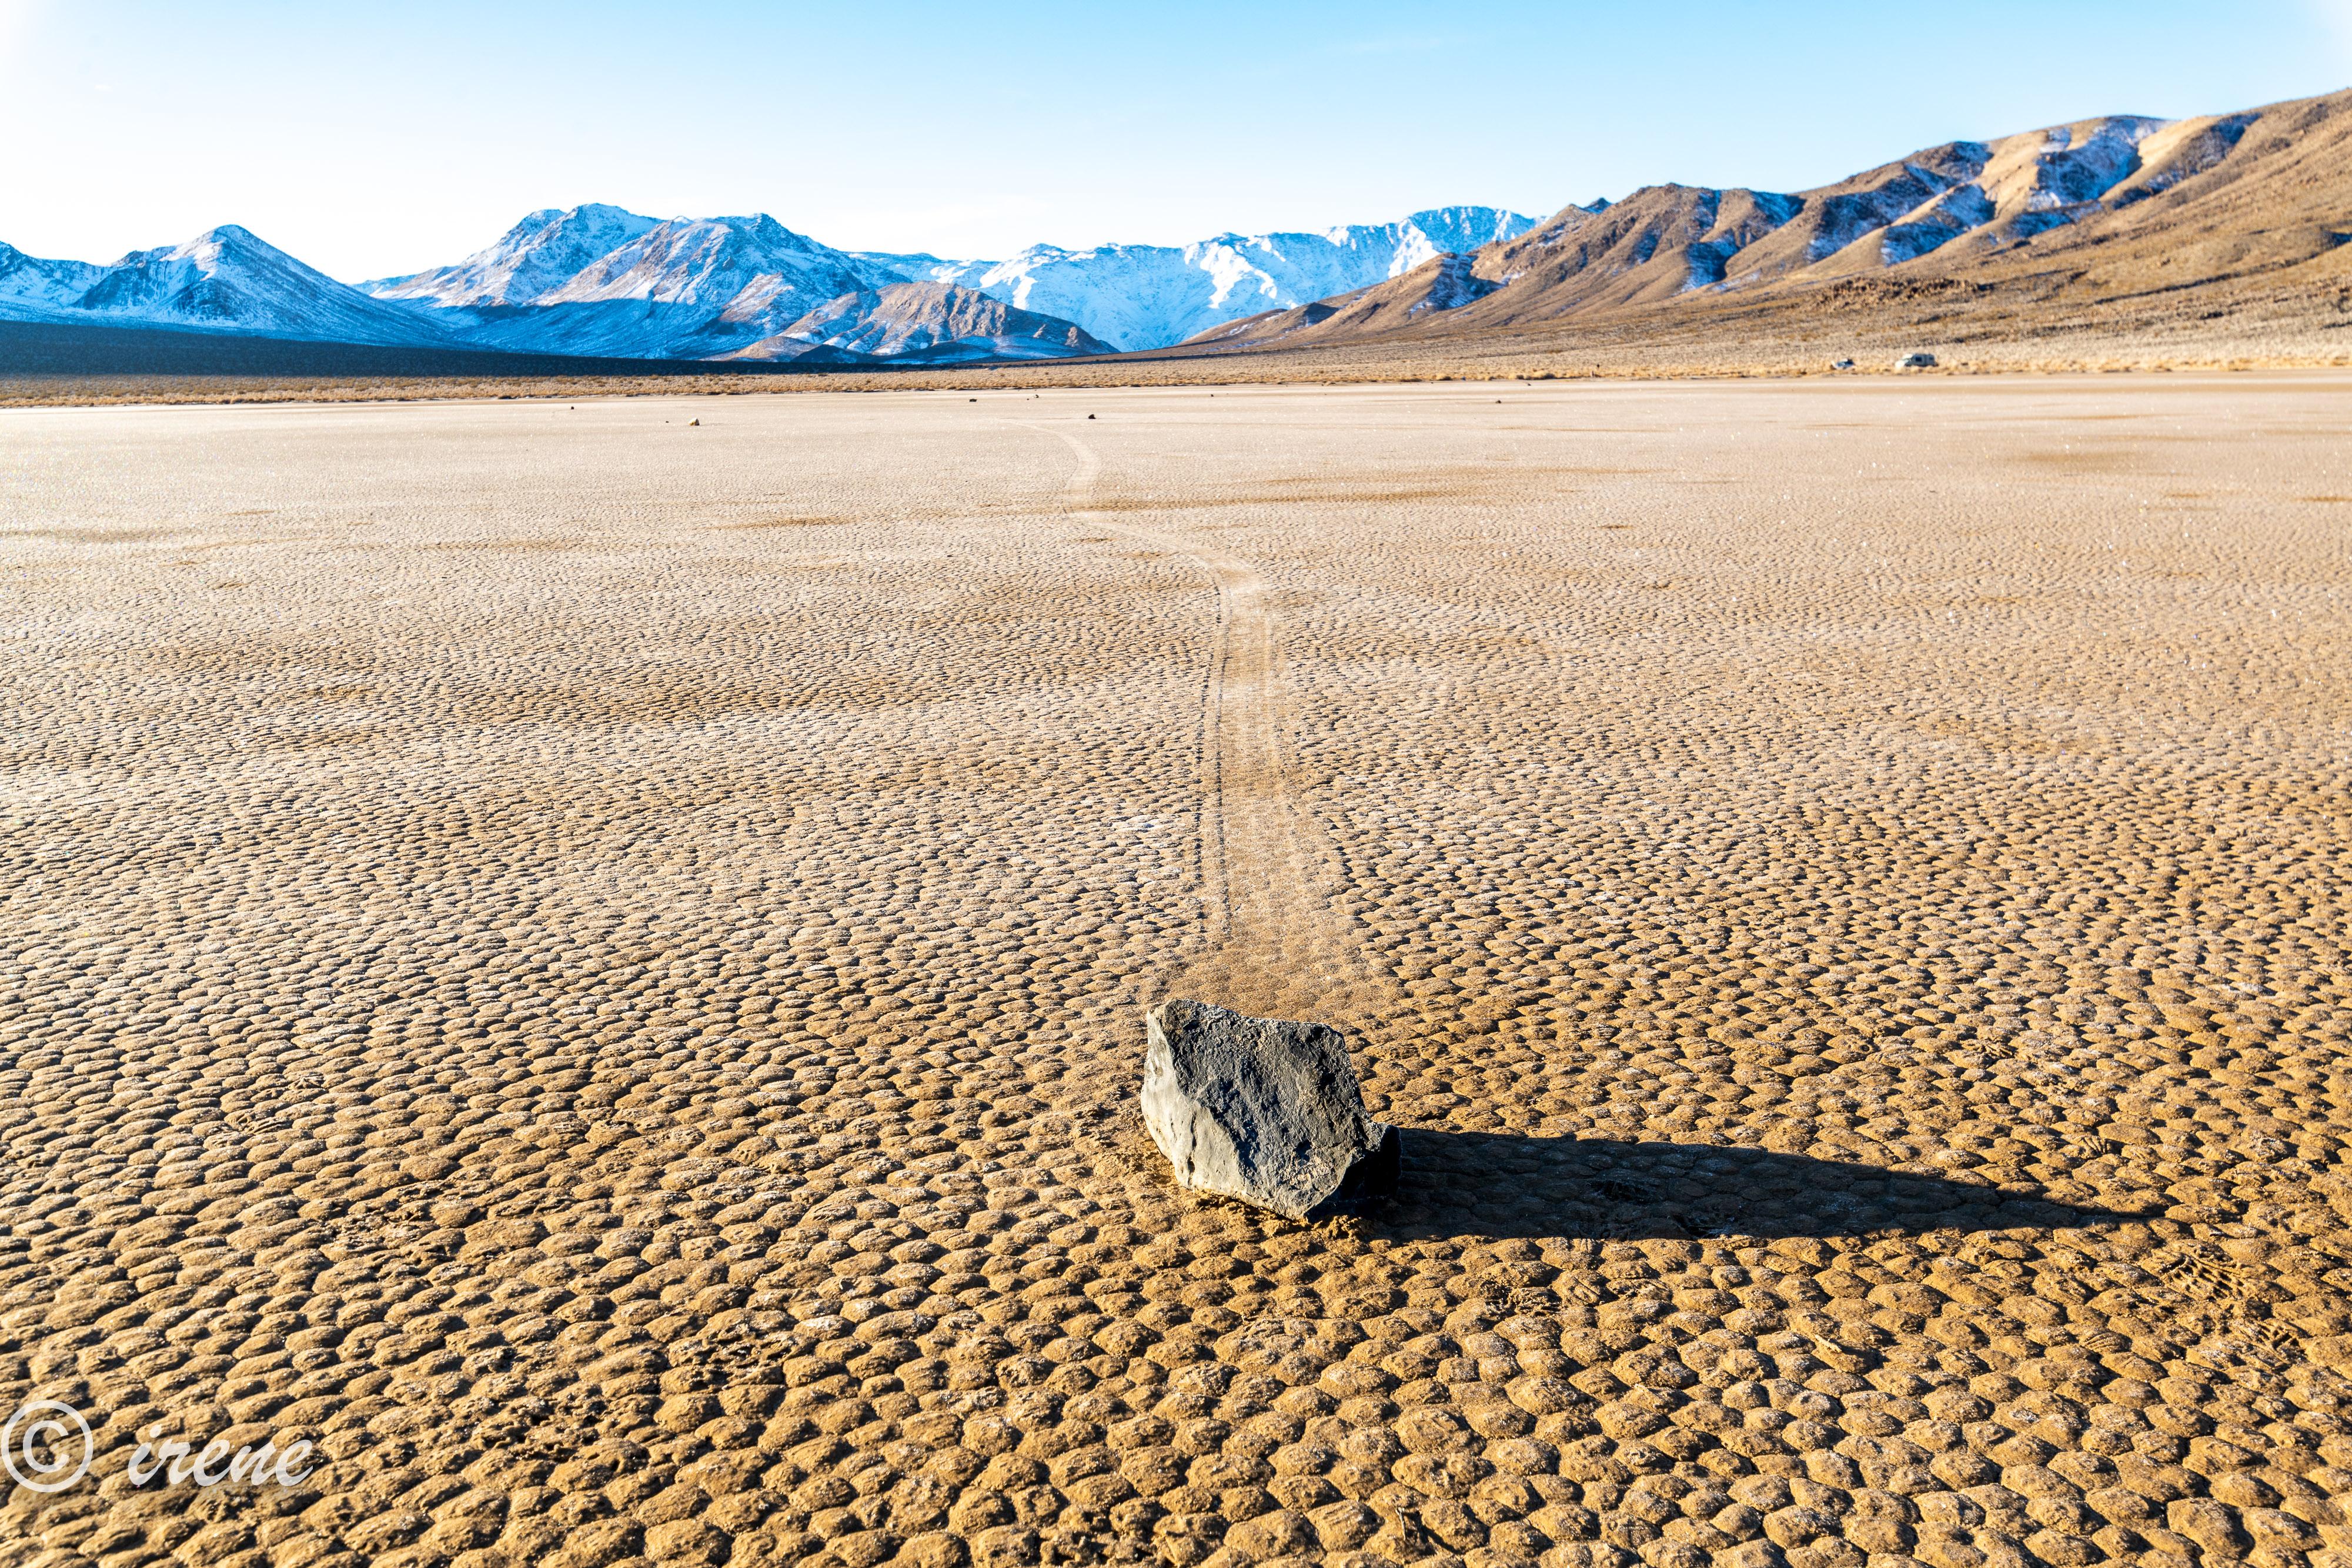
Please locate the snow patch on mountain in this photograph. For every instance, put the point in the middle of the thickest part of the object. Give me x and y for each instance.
(1452, 286)
(1936, 224)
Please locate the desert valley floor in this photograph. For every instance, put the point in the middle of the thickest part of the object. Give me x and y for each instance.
(593, 965)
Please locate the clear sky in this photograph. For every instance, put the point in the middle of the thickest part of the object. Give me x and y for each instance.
(371, 140)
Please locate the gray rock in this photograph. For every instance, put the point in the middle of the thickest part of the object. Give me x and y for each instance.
(1916, 361)
(1263, 1110)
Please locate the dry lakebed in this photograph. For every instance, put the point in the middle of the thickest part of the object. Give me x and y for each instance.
(592, 966)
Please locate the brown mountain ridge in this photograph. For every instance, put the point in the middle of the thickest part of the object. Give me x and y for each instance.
(2108, 217)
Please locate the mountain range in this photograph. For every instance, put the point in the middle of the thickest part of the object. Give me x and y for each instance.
(597, 279)
(600, 280)
(1145, 296)
(2155, 206)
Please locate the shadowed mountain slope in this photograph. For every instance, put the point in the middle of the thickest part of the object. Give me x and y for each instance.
(1442, 283)
(926, 321)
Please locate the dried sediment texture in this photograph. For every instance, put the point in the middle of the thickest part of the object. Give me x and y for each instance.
(590, 964)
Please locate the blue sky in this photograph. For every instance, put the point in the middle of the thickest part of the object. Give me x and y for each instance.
(373, 139)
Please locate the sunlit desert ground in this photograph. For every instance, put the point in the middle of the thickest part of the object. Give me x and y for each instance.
(594, 964)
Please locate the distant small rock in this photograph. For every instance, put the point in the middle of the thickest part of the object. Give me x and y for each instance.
(1916, 361)
(1263, 1110)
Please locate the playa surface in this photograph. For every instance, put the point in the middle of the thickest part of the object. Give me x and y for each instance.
(593, 967)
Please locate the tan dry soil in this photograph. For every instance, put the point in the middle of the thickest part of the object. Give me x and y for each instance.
(1733, 342)
(594, 966)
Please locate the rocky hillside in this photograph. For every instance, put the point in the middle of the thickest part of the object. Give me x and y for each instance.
(925, 322)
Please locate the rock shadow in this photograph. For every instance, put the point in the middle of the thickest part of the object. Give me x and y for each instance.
(1500, 1185)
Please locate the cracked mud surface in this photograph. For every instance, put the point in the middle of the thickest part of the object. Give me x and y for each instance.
(593, 967)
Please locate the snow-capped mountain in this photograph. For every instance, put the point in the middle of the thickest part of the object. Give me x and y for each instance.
(30, 283)
(600, 280)
(538, 255)
(1146, 297)
(933, 322)
(225, 279)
